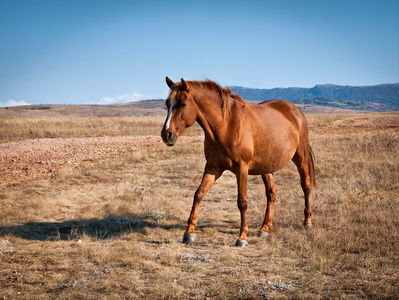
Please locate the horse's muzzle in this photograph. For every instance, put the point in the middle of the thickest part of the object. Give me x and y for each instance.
(169, 138)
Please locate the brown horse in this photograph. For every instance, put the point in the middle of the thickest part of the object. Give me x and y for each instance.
(243, 138)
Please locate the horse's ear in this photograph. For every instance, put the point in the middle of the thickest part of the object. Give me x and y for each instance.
(169, 82)
(184, 85)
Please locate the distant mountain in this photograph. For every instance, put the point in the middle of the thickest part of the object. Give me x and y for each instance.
(375, 98)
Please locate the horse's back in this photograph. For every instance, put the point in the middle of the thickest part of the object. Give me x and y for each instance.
(289, 110)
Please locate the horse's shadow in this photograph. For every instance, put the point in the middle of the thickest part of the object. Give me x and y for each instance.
(105, 228)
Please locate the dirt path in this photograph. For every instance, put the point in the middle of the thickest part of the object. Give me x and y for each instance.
(24, 160)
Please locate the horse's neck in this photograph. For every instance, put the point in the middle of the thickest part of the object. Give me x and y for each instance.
(210, 117)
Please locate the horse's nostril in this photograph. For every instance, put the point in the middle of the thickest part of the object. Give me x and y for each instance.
(169, 135)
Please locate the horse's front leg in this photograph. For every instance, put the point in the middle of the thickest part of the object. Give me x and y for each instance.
(209, 178)
(242, 181)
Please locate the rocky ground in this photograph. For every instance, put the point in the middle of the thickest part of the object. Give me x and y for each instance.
(24, 160)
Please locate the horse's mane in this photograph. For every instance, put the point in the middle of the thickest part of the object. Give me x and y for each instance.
(225, 94)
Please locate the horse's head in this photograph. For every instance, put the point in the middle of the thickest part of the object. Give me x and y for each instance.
(182, 111)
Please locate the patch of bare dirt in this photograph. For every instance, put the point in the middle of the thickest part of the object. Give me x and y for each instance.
(25, 160)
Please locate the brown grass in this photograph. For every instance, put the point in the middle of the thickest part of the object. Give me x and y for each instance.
(114, 230)
(18, 129)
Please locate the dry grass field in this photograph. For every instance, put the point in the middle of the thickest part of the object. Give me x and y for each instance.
(110, 226)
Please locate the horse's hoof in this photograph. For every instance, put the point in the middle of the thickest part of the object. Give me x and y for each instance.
(307, 226)
(241, 243)
(263, 234)
(189, 238)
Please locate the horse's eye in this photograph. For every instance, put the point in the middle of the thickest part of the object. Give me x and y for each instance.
(184, 104)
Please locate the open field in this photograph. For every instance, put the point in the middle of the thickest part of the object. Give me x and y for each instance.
(70, 121)
(100, 213)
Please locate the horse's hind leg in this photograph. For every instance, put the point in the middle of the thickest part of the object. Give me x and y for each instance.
(304, 163)
(270, 187)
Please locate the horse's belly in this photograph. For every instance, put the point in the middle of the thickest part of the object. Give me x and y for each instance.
(272, 157)
(268, 166)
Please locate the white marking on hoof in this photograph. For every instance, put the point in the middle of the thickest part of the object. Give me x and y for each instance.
(241, 243)
(263, 234)
(189, 238)
(307, 226)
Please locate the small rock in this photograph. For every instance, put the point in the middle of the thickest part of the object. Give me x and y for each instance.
(62, 286)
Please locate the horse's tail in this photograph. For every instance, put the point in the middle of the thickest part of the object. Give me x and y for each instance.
(311, 163)
(307, 152)
(304, 154)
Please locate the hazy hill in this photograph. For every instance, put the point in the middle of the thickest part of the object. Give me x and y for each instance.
(374, 98)
(134, 109)
(319, 99)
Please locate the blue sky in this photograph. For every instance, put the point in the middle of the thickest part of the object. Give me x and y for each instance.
(99, 52)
